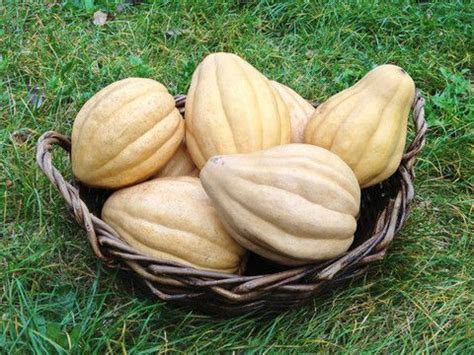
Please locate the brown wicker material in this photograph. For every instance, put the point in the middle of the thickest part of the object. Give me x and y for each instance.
(384, 210)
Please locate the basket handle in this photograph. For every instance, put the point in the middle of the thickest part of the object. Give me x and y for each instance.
(70, 193)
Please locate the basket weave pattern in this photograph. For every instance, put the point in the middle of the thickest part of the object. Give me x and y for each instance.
(384, 210)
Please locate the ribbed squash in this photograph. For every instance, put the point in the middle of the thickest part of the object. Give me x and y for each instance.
(300, 111)
(180, 164)
(172, 219)
(366, 125)
(232, 108)
(125, 133)
(294, 204)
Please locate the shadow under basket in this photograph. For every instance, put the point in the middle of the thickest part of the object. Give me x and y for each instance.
(264, 287)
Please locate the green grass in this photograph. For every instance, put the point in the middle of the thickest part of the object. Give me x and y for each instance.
(56, 297)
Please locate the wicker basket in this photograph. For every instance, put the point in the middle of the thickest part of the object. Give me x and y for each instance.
(384, 210)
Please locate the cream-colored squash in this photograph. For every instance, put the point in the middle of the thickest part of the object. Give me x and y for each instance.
(366, 124)
(294, 204)
(232, 108)
(180, 164)
(300, 111)
(172, 219)
(125, 133)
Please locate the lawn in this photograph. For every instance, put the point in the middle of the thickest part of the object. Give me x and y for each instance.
(56, 297)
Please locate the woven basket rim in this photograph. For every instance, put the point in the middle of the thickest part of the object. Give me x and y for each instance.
(214, 292)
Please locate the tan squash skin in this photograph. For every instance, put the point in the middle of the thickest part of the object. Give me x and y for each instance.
(125, 133)
(180, 164)
(232, 108)
(293, 204)
(366, 124)
(300, 111)
(173, 219)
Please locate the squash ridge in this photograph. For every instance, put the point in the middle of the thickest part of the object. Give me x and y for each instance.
(100, 172)
(227, 116)
(379, 121)
(171, 256)
(288, 170)
(190, 127)
(256, 102)
(249, 206)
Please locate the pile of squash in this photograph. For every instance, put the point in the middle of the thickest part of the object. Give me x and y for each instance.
(252, 165)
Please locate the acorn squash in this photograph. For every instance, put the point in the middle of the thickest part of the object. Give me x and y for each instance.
(180, 164)
(293, 204)
(300, 111)
(366, 124)
(172, 219)
(232, 108)
(125, 133)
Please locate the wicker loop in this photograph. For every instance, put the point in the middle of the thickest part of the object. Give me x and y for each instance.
(69, 192)
(384, 210)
